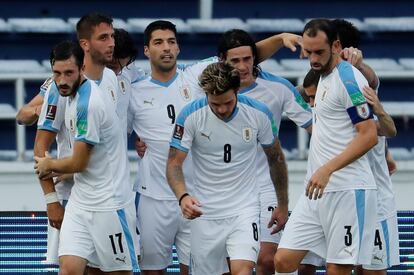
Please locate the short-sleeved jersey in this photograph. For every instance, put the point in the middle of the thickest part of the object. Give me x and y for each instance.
(50, 119)
(385, 195)
(224, 153)
(280, 96)
(91, 118)
(339, 105)
(154, 108)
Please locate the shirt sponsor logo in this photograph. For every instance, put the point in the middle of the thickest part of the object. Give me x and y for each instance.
(363, 111)
(51, 112)
(247, 134)
(178, 132)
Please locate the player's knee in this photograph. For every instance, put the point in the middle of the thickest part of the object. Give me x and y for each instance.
(266, 263)
(283, 264)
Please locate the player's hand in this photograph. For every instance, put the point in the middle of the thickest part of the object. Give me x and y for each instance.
(42, 166)
(140, 147)
(279, 218)
(62, 177)
(190, 207)
(317, 183)
(291, 40)
(373, 100)
(55, 213)
(353, 56)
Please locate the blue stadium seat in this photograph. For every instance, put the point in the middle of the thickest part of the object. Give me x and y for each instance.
(275, 25)
(216, 25)
(399, 109)
(4, 27)
(20, 66)
(138, 25)
(390, 24)
(39, 25)
(117, 23)
(7, 111)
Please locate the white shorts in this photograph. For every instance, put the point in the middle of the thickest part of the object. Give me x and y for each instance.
(52, 256)
(268, 202)
(339, 227)
(214, 240)
(313, 259)
(162, 225)
(386, 245)
(108, 240)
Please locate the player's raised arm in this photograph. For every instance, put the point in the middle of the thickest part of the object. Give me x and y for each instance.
(279, 176)
(269, 46)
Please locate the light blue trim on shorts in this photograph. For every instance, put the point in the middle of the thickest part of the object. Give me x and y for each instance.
(384, 226)
(128, 237)
(360, 207)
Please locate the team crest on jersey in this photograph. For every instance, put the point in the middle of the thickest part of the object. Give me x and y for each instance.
(178, 132)
(51, 112)
(363, 110)
(123, 86)
(247, 134)
(112, 92)
(185, 93)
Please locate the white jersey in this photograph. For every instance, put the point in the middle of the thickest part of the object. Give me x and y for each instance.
(339, 105)
(91, 118)
(385, 195)
(224, 154)
(54, 107)
(280, 96)
(154, 108)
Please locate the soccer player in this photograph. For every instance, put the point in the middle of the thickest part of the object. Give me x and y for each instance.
(100, 215)
(222, 130)
(338, 177)
(238, 49)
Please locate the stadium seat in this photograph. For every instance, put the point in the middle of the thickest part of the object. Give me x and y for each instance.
(407, 63)
(138, 25)
(295, 64)
(387, 24)
(21, 66)
(400, 153)
(275, 25)
(4, 27)
(383, 64)
(399, 108)
(7, 111)
(271, 66)
(216, 25)
(118, 23)
(39, 25)
(360, 25)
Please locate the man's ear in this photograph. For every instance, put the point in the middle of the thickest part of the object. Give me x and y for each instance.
(84, 43)
(336, 47)
(146, 51)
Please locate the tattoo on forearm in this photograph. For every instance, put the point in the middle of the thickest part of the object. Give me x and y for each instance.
(175, 176)
(278, 173)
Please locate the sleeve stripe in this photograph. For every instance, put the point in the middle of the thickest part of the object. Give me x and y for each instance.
(347, 76)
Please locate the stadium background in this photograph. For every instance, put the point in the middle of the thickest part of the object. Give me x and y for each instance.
(28, 30)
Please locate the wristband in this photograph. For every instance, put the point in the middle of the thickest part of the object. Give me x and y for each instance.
(51, 197)
(182, 197)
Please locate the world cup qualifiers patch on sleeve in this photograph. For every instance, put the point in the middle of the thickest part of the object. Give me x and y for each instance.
(360, 112)
(51, 112)
(178, 132)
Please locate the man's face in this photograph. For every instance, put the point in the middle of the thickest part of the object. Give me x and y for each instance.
(242, 59)
(318, 51)
(223, 105)
(162, 50)
(101, 44)
(67, 76)
(310, 93)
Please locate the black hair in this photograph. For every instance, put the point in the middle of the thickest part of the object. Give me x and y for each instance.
(311, 79)
(124, 45)
(158, 25)
(347, 33)
(321, 24)
(85, 25)
(237, 38)
(65, 50)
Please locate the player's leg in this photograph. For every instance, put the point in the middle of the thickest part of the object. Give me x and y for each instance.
(268, 241)
(158, 225)
(309, 264)
(241, 267)
(338, 269)
(303, 232)
(72, 265)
